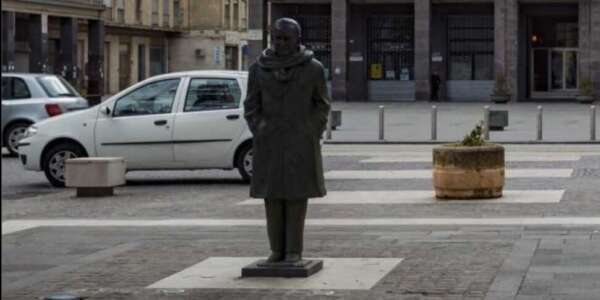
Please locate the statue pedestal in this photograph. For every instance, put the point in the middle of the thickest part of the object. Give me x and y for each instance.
(261, 268)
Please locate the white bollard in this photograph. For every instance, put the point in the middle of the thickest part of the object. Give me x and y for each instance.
(593, 122)
(381, 122)
(329, 122)
(433, 123)
(486, 122)
(540, 123)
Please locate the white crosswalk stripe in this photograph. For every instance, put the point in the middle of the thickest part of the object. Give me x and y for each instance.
(425, 197)
(426, 174)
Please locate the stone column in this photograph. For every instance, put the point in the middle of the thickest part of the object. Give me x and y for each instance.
(512, 46)
(95, 61)
(422, 49)
(584, 66)
(339, 14)
(8, 41)
(595, 44)
(38, 42)
(500, 48)
(256, 28)
(68, 50)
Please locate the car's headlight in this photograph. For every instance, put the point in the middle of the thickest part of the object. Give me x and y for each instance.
(31, 131)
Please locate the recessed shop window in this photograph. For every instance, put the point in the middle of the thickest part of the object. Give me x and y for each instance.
(316, 35)
(390, 54)
(471, 47)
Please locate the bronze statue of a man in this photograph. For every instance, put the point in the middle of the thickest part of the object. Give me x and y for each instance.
(286, 109)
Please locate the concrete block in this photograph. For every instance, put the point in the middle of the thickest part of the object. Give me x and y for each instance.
(95, 172)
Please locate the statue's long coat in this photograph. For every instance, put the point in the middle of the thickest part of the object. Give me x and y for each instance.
(286, 108)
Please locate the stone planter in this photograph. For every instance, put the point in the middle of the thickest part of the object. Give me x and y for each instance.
(585, 99)
(500, 98)
(461, 172)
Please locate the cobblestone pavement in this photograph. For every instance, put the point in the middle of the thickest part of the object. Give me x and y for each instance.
(486, 260)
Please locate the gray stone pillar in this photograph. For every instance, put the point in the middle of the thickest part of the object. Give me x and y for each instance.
(68, 50)
(94, 69)
(8, 41)
(506, 48)
(339, 14)
(38, 42)
(594, 55)
(500, 48)
(584, 54)
(512, 46)
(256, 28)
(422, 49)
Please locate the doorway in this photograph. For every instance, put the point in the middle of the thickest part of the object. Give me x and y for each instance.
(553, 72)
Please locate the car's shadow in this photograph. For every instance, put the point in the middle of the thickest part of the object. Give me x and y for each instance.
(186, 181)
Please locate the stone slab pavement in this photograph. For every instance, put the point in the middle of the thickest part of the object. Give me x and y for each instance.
(162, 223)
(411, 121)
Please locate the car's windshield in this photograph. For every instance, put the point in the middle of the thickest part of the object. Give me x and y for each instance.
(57, 87)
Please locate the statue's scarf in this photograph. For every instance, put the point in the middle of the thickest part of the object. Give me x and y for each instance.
(282, 66)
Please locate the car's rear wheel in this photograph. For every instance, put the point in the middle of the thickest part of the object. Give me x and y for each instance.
(54, 161)
(244, 162)
(14, 133)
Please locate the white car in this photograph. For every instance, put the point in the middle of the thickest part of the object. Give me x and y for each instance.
(185, 120)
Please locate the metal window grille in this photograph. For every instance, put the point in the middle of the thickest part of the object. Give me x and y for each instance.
(390, 50)
(471, 47)
(316, 35)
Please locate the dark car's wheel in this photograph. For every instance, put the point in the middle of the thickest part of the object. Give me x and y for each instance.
(13, 134)
(54, 161)
(244, 162)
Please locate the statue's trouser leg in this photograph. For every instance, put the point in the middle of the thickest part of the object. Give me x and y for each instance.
(274, 209)
(295, 213)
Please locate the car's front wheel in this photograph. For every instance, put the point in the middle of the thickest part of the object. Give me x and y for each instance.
(54, 161)
(13, 135)
(244, 162)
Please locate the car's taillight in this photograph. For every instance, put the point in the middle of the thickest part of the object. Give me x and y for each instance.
(53, 109)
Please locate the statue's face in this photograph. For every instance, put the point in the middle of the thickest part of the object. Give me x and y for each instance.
(285, 40)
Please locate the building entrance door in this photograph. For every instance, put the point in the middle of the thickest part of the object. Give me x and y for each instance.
(553, 72)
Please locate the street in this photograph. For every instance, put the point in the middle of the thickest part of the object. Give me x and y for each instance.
(540, 241)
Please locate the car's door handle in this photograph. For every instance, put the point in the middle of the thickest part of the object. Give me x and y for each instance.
(160, 122)
(233, 117)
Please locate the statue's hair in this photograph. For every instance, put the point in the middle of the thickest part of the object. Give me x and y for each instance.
(289, 22)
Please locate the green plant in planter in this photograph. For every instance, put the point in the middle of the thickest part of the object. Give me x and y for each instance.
(502, 87)
(586, 88)
(475, 138)
(586, 91)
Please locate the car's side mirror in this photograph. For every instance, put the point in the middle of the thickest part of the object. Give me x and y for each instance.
(106, 110)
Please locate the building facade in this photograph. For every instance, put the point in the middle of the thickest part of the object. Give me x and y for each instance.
(389, 50)
(104, 46)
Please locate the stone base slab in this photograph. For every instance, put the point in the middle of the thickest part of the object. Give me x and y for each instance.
(262, 268)
(337, 274)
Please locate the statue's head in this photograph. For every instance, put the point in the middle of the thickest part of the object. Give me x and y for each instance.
(285, 37)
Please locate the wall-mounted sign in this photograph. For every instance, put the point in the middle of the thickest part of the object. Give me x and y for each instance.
(437, 57)
(405, 74)
(356, 58)
(390, 74)
(376, 71)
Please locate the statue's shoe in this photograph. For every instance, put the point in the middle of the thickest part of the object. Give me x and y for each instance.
(275, 257)
(292, 258)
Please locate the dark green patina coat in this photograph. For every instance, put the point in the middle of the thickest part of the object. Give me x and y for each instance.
(286, 109)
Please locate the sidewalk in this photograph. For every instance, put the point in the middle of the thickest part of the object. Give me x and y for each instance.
(411, 121)
(185, 235)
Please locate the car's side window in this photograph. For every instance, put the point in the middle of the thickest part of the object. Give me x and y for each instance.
(153, 98)
(212, 94)
(20, 89)
(6, 89)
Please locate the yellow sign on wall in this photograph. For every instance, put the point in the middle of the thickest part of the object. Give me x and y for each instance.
(376, 71)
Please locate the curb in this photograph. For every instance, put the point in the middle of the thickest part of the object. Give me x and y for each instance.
(385, 142)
